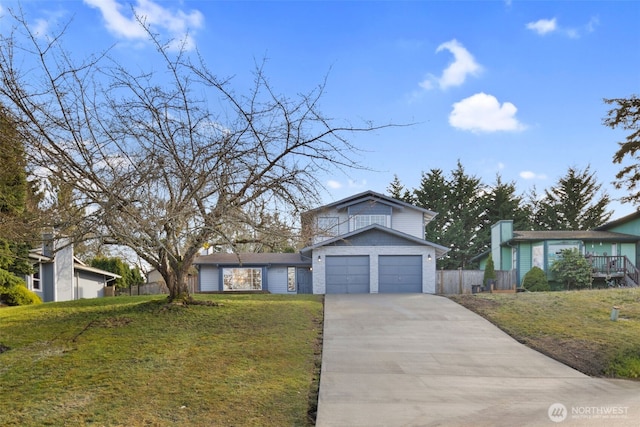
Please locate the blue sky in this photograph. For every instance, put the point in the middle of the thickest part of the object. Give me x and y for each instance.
(506, 87)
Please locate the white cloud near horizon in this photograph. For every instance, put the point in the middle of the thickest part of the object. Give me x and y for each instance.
(121, 21)
(463, 65)
(484, 113)
(532, 175)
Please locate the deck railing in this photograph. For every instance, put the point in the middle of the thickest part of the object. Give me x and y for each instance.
(618, 265)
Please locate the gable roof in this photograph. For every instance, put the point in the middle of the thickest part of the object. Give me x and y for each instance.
(440, 250)
(373, 196)
(523, 236)
(36, 255)
(252, 259)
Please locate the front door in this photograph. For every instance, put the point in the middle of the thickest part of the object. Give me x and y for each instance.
(304, 280)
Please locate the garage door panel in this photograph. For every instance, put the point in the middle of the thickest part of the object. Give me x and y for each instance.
(400, 274)
(347, 274)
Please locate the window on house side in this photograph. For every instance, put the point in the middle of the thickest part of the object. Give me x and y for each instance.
(242, 279)
(328, 226)
(291, 279)
(35, 278)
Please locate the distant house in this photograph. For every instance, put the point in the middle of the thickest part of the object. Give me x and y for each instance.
(611, 248)
(366, 243)
(59, 276)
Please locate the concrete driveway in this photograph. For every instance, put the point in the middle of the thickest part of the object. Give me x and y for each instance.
(423, 360)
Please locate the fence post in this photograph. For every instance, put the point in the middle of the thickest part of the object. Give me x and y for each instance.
(460, 280)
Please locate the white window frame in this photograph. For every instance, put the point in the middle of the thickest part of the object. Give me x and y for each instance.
(242, 279)
(291, 280)
(361, 221)
(328, 226)
(36, 278)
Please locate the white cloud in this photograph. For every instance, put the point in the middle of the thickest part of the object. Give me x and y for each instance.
(532, 175)
(483, 113)
(456, 73)
(40, 27)
(121, 21)
(334, 185)
(543, 26)
(547, 26)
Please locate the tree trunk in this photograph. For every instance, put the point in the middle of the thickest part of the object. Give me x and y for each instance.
(176, 281)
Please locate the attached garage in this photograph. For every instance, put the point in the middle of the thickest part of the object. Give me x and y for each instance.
(400, 274)
(347, 274)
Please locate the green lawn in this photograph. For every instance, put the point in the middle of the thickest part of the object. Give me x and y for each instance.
(253, 360)
(573, 327)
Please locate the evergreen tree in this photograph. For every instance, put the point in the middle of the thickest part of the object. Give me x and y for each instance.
(489, 271)
(113, 265)
(576, 202)
(18, 200)
(626, 115)
(458, 201)
(399, 192)
(502, 203)
(433, 194)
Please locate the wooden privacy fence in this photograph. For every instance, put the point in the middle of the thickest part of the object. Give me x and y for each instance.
(451, 282)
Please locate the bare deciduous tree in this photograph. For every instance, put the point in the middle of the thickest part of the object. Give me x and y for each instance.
(154, 166)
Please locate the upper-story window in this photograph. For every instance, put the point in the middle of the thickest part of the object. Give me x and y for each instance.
(360, 221)
(328, 226)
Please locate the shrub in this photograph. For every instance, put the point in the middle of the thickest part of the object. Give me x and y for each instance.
(572, 269)
(489, 271)
(19, 295)
(536, 280)
(14, 292)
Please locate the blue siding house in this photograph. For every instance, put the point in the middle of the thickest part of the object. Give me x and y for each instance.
(366, 243)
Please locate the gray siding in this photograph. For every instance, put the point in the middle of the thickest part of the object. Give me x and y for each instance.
(209, 278)
(408, 221)
(369, 208)
(375, 238)
(89, 285)
(277, 280)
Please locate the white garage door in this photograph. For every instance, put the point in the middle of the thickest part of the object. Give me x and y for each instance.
(400, 274)
(347, 274)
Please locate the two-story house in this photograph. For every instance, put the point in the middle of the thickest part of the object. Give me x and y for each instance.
(366, 243)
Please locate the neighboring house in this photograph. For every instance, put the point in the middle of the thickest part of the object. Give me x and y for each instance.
(59, 276)
(611, 248)
(366, 243)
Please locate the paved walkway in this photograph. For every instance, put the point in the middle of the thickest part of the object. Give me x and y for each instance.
(423, 360)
